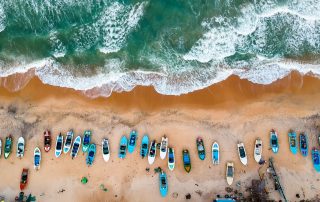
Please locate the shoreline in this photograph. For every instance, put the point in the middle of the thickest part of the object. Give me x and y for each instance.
(233, 90)
(230, 111)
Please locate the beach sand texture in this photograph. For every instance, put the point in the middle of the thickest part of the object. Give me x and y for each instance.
(227, 112)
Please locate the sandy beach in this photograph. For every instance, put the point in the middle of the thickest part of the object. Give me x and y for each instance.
(228, 112)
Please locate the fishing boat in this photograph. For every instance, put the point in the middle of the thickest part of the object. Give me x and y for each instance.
(303, 144)
(20, 147)
(293, 142)
(24, 178)
(215, 154)
(171, 159)
(86, 140)
(0, 147)
(36, 158)
(47, 140)
(7, 146)
(242, 154)
(316, 159)
(163, 147)
(91, 154)
(152, 152)
(75, 147)
(132, 141)
(68, 143)
(123, 147)
(59, 144)
(274, 143)
(163, 184)
(105, 150)
(201, 149)
(230, 172)
(258, 150)
(144, 146)
(186, 160)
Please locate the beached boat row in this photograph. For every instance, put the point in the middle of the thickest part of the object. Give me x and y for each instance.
(148, 149)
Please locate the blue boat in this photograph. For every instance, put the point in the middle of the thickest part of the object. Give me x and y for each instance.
(186, 160)
(303, 144)
(144, 146)
(163, 182)
(316, 159)
(293, 142)
(123, 147)
(91, 154)
(132, 141)
(274, 142)
(86, 140)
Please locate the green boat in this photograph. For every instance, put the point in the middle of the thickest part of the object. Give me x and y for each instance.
(186, 160)
(8, 146)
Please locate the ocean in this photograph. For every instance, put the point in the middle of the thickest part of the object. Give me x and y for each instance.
(176, 46)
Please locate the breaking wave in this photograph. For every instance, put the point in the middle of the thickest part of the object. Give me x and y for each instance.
(104, 46)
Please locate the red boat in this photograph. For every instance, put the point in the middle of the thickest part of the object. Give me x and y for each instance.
(24, 178)
(47, 140)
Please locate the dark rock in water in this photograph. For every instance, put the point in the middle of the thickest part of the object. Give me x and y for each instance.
(175, 195)
(188, 196)
(298, 195)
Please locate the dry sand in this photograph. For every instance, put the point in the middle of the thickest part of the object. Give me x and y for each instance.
(230, 111)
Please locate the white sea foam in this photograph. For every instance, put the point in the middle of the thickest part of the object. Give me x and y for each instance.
(116, 22)
(113, 79)
(223, 37)
(2, 18)
(58, 49)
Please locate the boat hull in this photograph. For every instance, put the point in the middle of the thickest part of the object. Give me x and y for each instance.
(144, 146)
(37, 158)
(215, 153)
(20, 147)
(106, 156)
(132, 141)
(163, 147)
(124, 145)
(75, 147)
(163, 187)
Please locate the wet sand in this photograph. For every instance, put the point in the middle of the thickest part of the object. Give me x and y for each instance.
(230, 111)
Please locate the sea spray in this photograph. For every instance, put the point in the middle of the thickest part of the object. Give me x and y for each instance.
(102, 46)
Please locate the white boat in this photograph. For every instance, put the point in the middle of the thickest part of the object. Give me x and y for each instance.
(152, 152)
(230, 172)
(20, 147)
(258, 150)
(36, 158)
(105, 150)
(75, 147)
(68, 143)
(59, 144)
(171, 159)
(163, 147)
(242, 154)
(215, 154)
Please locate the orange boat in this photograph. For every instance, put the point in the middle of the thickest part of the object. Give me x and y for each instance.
(24, 178)
(47, 140)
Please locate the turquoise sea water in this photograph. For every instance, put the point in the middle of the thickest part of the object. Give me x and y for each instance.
(177, 46)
